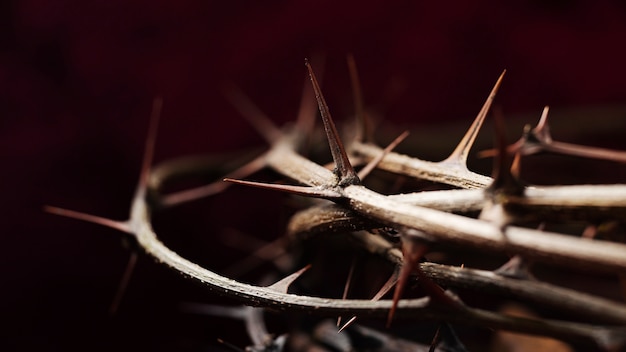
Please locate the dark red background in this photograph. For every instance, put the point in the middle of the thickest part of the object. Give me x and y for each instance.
(77, 79)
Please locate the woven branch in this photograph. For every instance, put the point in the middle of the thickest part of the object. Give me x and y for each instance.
(442, 217)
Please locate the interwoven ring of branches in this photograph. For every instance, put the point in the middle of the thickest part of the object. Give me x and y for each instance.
(443, 218)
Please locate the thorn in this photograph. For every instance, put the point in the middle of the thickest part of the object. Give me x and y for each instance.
(460, 153)
(251, 112)
(374, 162)
(230, 345)
(364, 128)
(393, 279)
(176, 198)
(348, 323)
(413, 252)
(516, 166)
(299, 190)
(504, 182)
(517, 268)
(346, 287)
(307, 114)
(542, 130)
(590, 231)
(435, 340)
(121, 289)
(157, 105)
(283, 284)
(343, 168)
(118, 225)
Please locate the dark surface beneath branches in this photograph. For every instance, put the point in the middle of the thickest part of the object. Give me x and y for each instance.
(76, 84)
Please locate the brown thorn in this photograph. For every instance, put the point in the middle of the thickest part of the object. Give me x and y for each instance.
(374, 162)
(157, 106)
(460, 153)
(299, 190)
(585, 151)
(542, 130)
(307, 113)
(435, 340)
(503, 180)
(590, 231)
(346, 287)
(412, 252)
(229, 345)
(516, 166)
(348, 323)
(283, 284)
(393, 279)
(176, 198)
(118, 225)
(251, 112)
(343, 168)
(121, 289)
(364, 128)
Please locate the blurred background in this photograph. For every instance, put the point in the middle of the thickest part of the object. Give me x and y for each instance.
(77, 81)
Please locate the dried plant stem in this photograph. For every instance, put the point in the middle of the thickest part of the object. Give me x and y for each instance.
(455, 229)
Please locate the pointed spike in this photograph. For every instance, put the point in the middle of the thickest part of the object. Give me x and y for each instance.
(585, 151)
(413, 252)
(346, 287)
(503, 180)
(283, 284)
(364, 128)
(307, 113)
(516, 166)
(461, 152)
(251, 112)
(347, 324)
(542, 125)
(344, 169)
(176, 198)
(299, 190)
(121, 288)
(517, 267)
(230, 345)
(118, 225)
(157, 106)
(388, 285)
(374, 162)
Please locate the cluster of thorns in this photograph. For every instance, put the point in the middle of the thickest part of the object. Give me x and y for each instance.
(497, 214)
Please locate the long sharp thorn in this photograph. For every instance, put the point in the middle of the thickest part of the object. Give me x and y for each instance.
(343, 168)
(148, 156)
(307, 113)
(216, 187)
(503, 179)
(374, 162)
(393, 279)
(364, 129)
(299, 190)
(118, 225)
(283, 284)
(585, 151)
(121, 289)
(260, 121)
(412, 253)
(542, 125)
(460, 153)
(346, 287)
